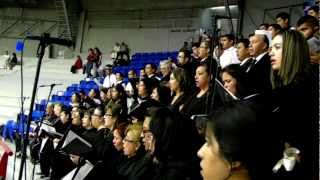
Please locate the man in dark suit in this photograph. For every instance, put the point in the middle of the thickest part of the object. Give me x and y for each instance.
(259, 71)
(244, 54)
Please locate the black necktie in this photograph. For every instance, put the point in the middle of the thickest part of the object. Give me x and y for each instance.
(251, 63)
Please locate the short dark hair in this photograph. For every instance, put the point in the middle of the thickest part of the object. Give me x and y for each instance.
(196, 44)
(265, 25)
(283, 15)
(235, 128)
(314, 8)
(245, 42)
(231, 37)
(153, 66)
(310, 20)
(276, 26)
(186, 53)
(236, 71)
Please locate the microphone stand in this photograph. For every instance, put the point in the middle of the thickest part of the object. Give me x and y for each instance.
(40, 123)
(40, 53)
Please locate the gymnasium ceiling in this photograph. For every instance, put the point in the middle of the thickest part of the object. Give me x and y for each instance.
(125, 5)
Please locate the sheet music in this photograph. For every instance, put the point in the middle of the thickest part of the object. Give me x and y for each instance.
(82, 173)
(226, 90)
(71, 136)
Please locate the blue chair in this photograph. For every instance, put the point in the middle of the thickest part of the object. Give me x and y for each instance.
(9, 129)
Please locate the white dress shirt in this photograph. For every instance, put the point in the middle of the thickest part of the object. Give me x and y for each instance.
(109, 81)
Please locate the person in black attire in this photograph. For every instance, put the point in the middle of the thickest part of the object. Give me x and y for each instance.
(180, 86)
(199, 101)
(296, 107)
(259, 71)
(150, 70)
(231, 150)
(161, 94)
(61, 163)
(185, 62)
(173, 153)
(283, 19)
(135, 167)
(165, 68)
(13, 61)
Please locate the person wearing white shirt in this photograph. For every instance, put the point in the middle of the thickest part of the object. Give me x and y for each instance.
(229, 55)
(110, 78)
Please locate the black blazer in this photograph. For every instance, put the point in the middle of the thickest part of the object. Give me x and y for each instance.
(259, 75)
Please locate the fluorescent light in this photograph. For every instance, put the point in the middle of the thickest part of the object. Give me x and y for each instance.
(223, 7)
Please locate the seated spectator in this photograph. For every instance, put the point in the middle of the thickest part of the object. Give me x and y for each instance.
(235, 154)
(12, 61)
(110, 78)
(5, 59)
(77, 65)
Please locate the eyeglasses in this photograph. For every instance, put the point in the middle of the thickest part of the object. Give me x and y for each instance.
(130, 141)
(106, 115)
(95, 114)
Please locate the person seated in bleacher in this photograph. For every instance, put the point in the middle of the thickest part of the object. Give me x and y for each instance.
(98, 57)
(13, 61)
(110, 78)
(77, 65)
(5, 59)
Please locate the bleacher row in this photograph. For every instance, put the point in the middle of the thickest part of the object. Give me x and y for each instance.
(138, 61)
